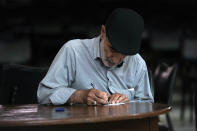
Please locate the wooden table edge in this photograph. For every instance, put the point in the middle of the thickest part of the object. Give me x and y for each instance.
(54, 122)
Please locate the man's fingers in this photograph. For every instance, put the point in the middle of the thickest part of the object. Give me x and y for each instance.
(125, 100)
(121, 99)
(102, 97)
(90, 101)
(93, 102)
(99, 101)
(112, 98)
(99, 96)
(117, 98)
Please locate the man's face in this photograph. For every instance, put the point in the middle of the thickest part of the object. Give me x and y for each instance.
(110, 57)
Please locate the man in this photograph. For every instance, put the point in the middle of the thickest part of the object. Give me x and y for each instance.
(106, 69)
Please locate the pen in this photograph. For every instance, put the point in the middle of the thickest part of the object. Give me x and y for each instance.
(59, 109)
(93, 86)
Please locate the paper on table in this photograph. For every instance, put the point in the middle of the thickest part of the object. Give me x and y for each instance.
(114, 104)
(120, 103)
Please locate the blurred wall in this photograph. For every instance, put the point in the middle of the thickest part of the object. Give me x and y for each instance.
(32, 31)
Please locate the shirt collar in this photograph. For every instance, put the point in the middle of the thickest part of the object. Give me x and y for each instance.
(96, 48)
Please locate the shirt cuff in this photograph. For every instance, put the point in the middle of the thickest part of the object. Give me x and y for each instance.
(129, 94)
(61, 95)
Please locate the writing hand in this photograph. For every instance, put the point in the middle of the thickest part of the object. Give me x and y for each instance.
(100, 97)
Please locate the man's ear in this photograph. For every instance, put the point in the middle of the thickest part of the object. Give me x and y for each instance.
(103, 32)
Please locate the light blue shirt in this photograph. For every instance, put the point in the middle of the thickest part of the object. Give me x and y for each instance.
(77, 65)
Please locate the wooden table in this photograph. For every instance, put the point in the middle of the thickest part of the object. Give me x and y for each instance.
(135, 116)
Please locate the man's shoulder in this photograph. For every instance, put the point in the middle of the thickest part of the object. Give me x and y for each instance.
(137, 61)
(72, 43)
(78, 47)
(77, 43)
(136, 58)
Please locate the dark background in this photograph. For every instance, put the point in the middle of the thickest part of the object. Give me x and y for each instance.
(32, 31)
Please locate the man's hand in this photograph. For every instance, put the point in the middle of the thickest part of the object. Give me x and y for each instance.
(100, 97)
(117, 98)
(89, 96)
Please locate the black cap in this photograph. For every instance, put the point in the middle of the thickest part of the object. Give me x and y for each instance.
(124, 28)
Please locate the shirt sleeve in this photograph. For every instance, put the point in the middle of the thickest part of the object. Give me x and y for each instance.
(55, 88)
(142, 91)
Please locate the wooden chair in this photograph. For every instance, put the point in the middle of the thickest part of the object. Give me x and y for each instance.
(164, 82)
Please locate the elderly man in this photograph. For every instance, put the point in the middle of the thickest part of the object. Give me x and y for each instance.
(101, 70)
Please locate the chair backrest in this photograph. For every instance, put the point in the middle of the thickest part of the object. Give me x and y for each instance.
(19, 84)
(164, 82)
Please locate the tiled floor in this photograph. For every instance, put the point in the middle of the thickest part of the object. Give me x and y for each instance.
(186, 124)
(179, 125)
